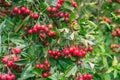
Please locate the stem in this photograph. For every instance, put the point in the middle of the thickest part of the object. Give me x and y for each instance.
(20, 27)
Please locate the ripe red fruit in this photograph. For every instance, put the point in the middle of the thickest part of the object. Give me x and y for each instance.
(17, 50)
(79, 62)
(119, 11)
(37, 65)
(90, 49)
(66, 19)
(38, 26)
(49, 9)
(74, 4)
(10, 64)
(18, 12)
(42, 35)
(80, 79)
(45, 75)
(15, 9)
(9, 77)
(58, 6)
(72, 48)
(32, 16)
(46, 29)
(50, 26)
(23, 9)
(46, 62)
(30, 31)
(34, 30)
(89, 76)
(85, 76)
(36, 16)
(27, 11)
(61, 14)
(3, 77)
(54, 9)
(15, 58)
(5, 60)
(67, 15)
(41, 66)
(13, 76)
(66, 52)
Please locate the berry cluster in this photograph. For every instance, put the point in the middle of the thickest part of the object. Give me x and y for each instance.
(10, 59)
(43, 32)
(59, 14)
(45, 67)
(23, 11)
(116, 33)
(107, 20)
(8, 76)
(85, 77)
(54, 54)
(56, 8)
(76, 52)
(113, 47)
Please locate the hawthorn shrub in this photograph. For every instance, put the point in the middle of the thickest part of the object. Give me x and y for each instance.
(59, 39)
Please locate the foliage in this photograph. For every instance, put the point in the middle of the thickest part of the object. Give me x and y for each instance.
(86, 24)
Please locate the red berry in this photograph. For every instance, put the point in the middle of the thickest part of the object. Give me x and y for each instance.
(66, 52)
(27, 11)
(45, 75)
(61, 14)
(80, 79)
(41, 66)
(66, 19)
(15, 58)
(32, 16)
(37, 65)
(49, 9)
(23, 9)
(58, 6)
(30, 31)
(18, 12)
(74, 4)
(89, 76)
(13, 76)
(54, 9)
(17, 50)
(36, 16)
(67, 15)
(34, 30)
(3, 77)
(85, 76)
(46, 62)
(10, 64)
(5, 60)
(38, 26)
(15, 9)
(43, 35)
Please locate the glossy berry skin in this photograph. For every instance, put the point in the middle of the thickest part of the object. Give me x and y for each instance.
(37, 66)
(23, 9)
(15, 9)
(80, 79)
(30, 31)
(49, 9)
(17, 50)
(45, 75)
(74, 4)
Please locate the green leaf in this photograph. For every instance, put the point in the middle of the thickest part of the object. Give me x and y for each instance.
(21, 62)
(71, 70)
(115, 73)
(115, 61)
